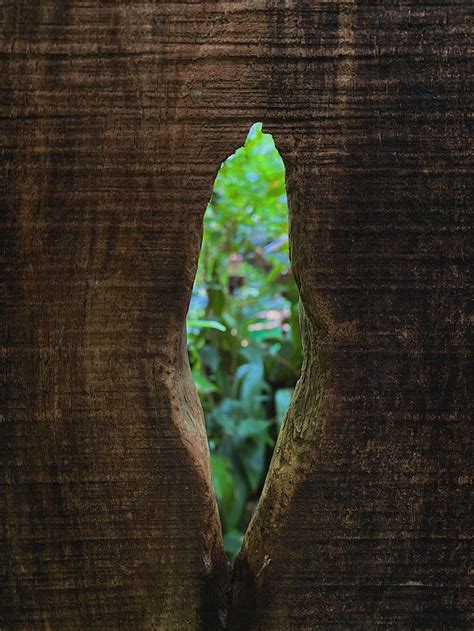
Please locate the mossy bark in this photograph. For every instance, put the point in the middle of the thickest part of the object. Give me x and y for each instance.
(116, 117)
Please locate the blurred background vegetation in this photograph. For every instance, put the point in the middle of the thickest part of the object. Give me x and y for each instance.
(243, 332)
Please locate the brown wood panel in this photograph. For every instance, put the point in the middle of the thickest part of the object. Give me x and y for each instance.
(115, 117)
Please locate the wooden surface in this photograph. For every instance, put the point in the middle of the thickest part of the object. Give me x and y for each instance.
(115, 119)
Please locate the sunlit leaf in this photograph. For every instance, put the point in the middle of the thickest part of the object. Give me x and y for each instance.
(207, 324)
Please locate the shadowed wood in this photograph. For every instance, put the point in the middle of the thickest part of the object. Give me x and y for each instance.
(115, 118)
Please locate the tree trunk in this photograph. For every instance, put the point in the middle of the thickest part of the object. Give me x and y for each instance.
(116, 117)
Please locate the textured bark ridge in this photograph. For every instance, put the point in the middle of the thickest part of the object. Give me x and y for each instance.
(116, 117)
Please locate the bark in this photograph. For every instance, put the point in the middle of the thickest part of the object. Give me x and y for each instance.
(115, 118)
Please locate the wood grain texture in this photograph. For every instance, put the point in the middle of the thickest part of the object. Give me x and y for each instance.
(115, 118)
(364, 522)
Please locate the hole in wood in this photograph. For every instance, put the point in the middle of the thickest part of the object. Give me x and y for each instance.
(243, 331)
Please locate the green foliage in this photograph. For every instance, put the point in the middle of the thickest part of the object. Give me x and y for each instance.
(243, 334)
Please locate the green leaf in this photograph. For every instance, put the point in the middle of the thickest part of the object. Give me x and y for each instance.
(232, 543)
(252, 428)
(216, 300)
(207, 324)
(223, 480)
(202, 384)
(282, 402)
(252, 456)
(210, 356)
